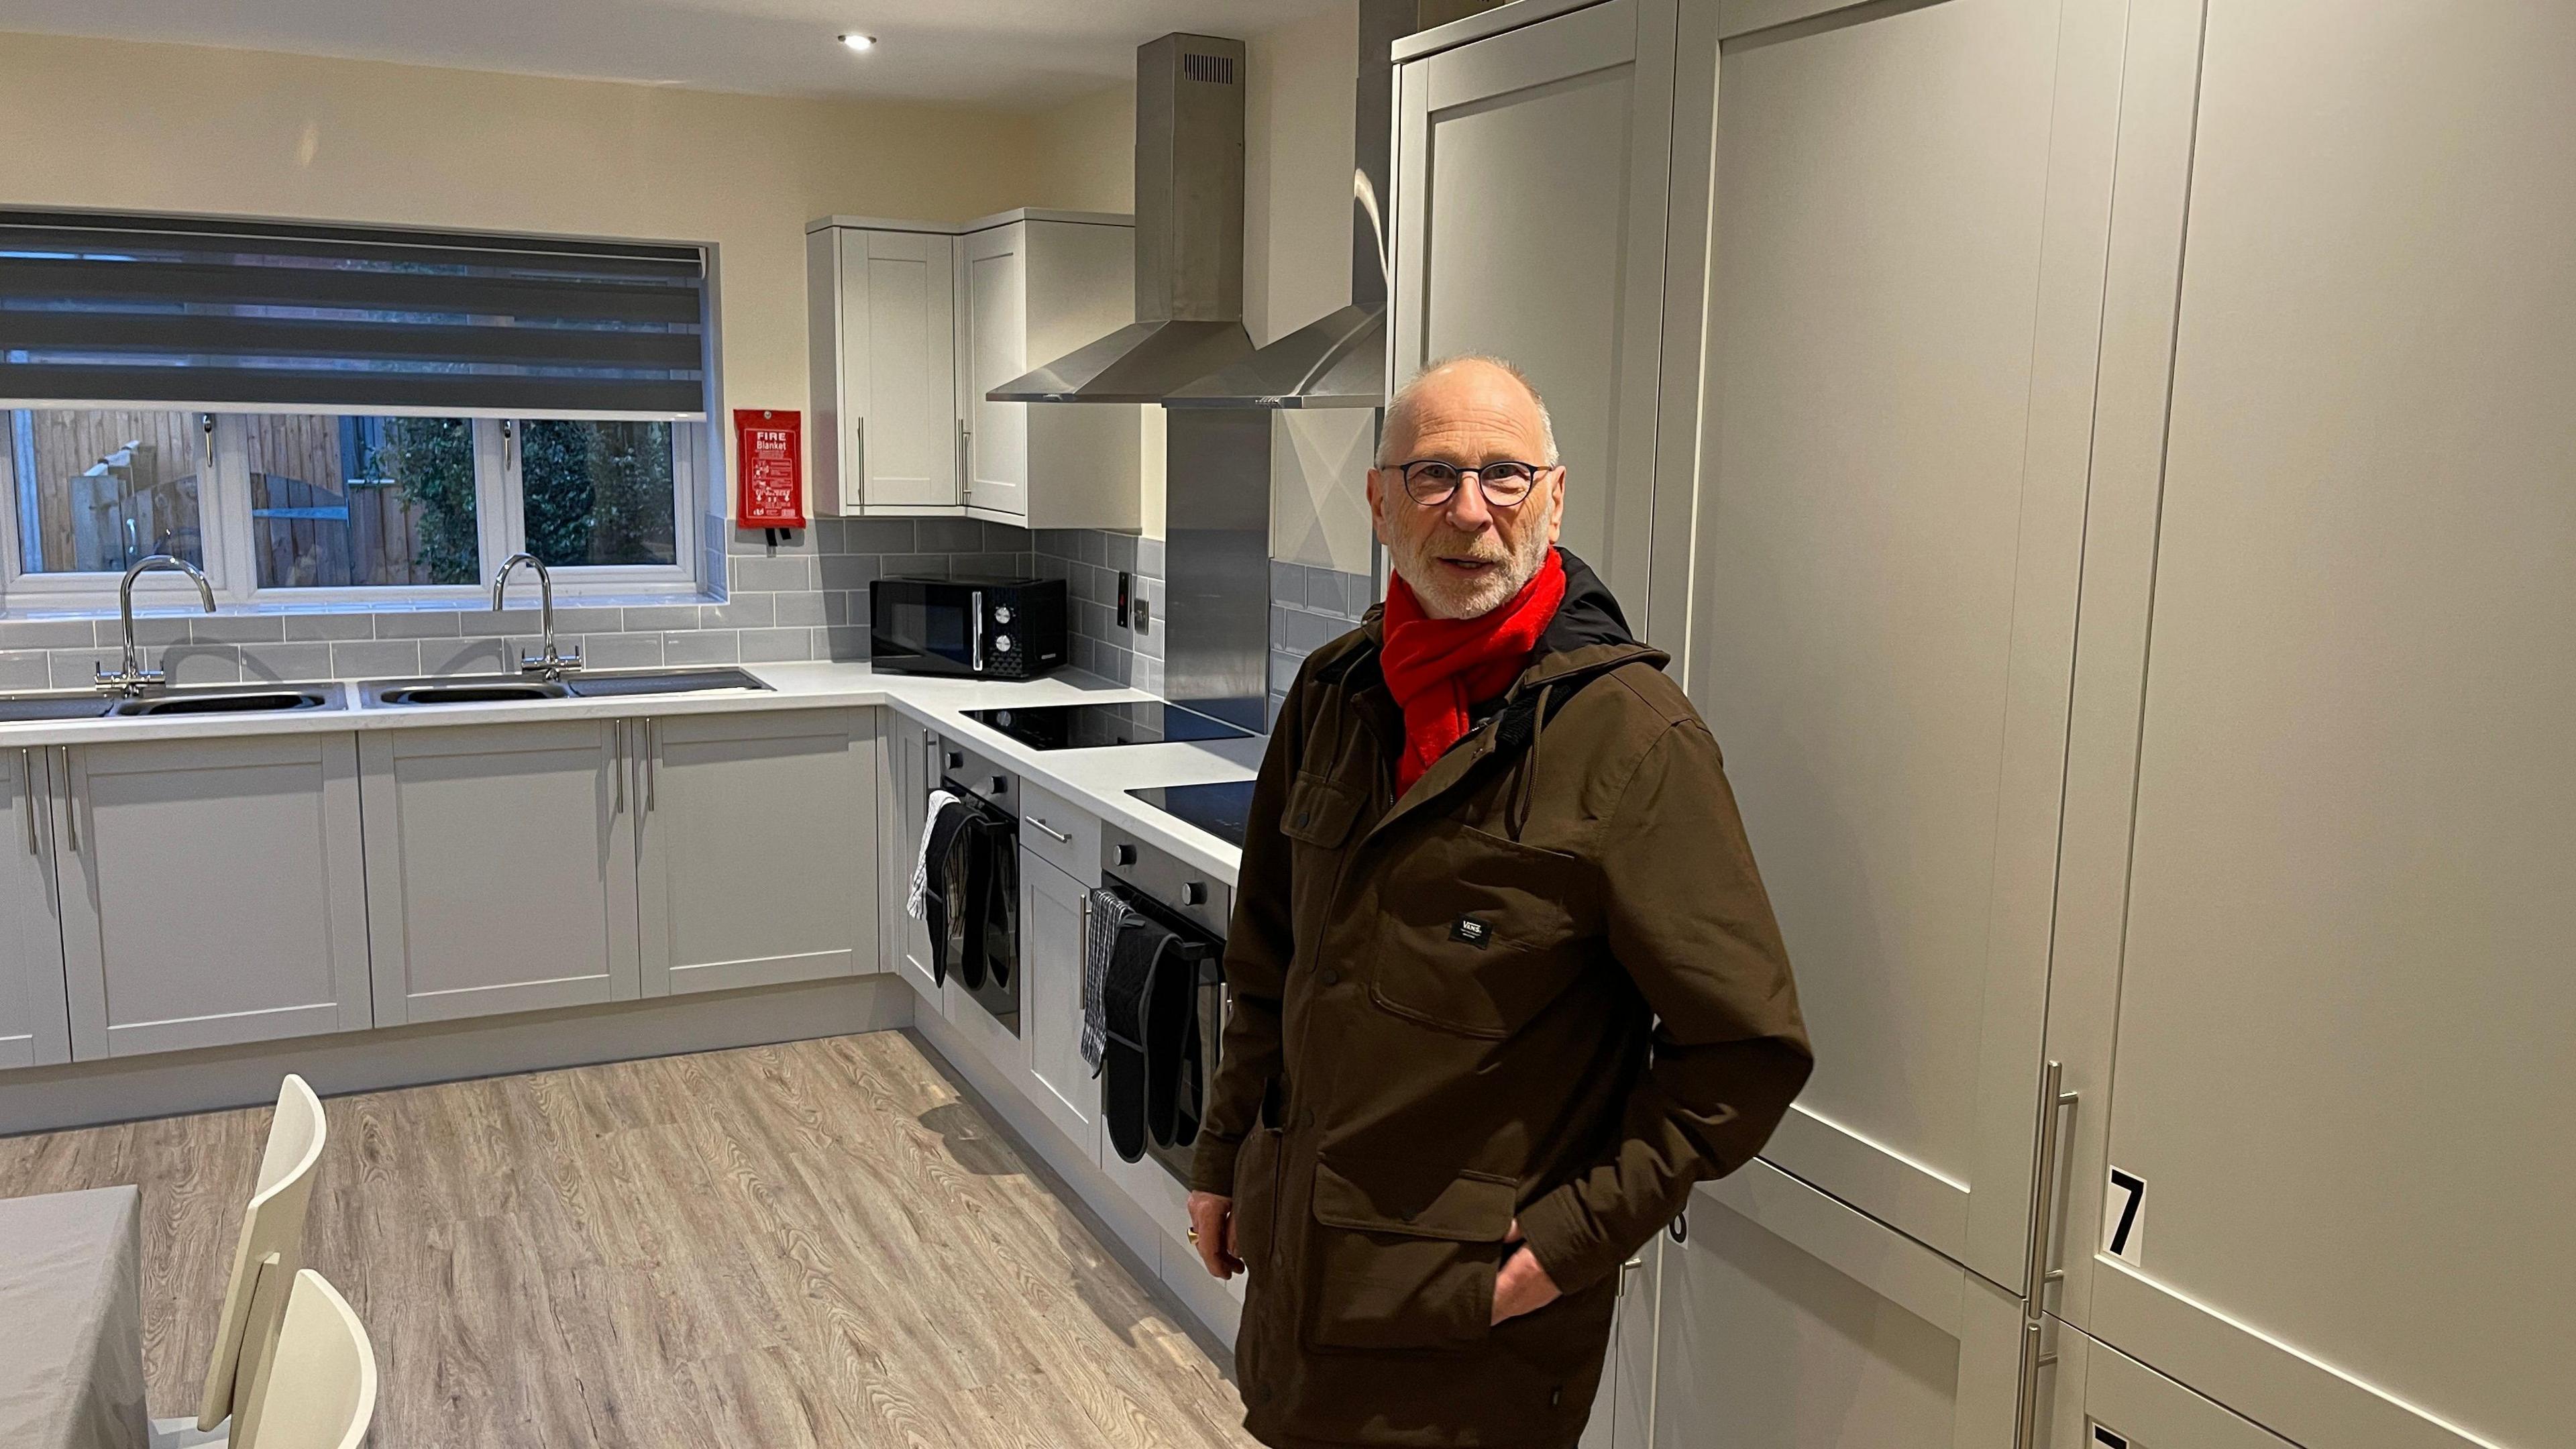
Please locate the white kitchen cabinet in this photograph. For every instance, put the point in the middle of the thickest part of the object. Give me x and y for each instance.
(1789, 1321)
(1530, 197)
(2103, 1399)
(1055, 916)
(1623, 1411)
(34, 1029)
(1903, 301)
(757, 848)
(501, 867)
(911, 323)
(882, 336)
(1031, 287)
(2313, 951)
(211, 892)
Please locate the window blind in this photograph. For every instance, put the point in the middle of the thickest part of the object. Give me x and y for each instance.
(114, 309)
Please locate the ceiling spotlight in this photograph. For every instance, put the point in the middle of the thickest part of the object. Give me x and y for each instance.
(856, 41)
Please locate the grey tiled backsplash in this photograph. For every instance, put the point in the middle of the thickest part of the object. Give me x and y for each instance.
(1090, 561)
(802, 600)
(1309, 608)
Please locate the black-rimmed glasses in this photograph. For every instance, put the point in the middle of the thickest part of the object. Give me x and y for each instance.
(1430, 482)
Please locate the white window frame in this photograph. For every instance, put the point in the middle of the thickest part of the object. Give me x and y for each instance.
(224, 506)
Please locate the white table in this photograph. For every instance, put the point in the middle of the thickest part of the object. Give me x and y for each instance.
(71, 1321)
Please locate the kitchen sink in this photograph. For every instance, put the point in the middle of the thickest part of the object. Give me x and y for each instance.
(509, 688)
(227, 701)
(23, 708)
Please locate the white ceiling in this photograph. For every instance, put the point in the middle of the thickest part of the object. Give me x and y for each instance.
(1012, 53)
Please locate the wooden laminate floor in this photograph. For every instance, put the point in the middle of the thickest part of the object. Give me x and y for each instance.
(811, 1244)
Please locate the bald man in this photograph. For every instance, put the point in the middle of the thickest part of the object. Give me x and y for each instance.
(1505, 983)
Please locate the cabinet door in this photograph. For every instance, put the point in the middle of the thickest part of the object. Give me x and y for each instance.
(212, 892)
(501, 867)
(898, 335)
(1623, 1412)
(992, 348)
(1909, 215)
(1530, 190)
(757, 849)
(2104, 1399)
(1788, 1321)
(33, 1024)
(908, 776)
(2319, 830)
(1055, 916)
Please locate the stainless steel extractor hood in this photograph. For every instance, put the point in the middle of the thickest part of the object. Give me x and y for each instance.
(1189, 236)
(1339, 360)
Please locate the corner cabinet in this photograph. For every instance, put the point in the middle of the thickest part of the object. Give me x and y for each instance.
(758, 848)
(210, 892)
(911, 323)
(34, 1029)
(904, 810)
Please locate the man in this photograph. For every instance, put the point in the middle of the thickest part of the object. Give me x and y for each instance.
(1492, 862)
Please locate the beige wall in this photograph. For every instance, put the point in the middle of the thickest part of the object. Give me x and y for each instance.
(183, 128)
(1086, 153)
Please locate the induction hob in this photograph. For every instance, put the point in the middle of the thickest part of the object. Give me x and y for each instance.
(1222, 810)
(1093, 726)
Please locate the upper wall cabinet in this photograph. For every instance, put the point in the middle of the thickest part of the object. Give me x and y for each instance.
(913, 322)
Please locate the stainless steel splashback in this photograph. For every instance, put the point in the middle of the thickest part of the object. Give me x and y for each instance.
(1216, 562)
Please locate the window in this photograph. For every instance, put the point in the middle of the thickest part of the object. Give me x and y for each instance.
(320, 413)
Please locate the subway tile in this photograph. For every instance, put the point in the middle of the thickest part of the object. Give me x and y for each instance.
(279, 663)
(1287, 582)
(192, 664)
(804, 610)
(379, 659)
(1146, 673)
(25, 669)
(417, 624)
(1091, 546)
(1283, 670)
(1007, 538)
(584, 621)
(152, 631)
(73, 669)
(836, 606)
(850, 570)
(300, 627)
(1053, 566)
(743, 611)
(48, 634)
(845, 643)
(1310, 632)
(1121, 550)
(988, 565)
(1279, 618)
(948, 535)
(1149, 556)
(915, 565)
(772, 575)
(862, 609)
(472, 656)
(653, 618)
(1057, 542)
(621, 651)
(1324, 592)
(523, 617)
(703, 646)
(768, 645)
(831, 536)
(881, 535)
(1359, 591)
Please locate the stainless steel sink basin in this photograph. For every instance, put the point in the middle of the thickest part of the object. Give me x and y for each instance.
(510, 688)
(22, 708)
(227, 701)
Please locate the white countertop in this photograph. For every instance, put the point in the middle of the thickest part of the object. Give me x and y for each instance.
(1097, 778)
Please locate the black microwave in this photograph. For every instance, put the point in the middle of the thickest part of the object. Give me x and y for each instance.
(980, 628)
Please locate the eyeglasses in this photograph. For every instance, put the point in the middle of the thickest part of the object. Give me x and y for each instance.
(1431, 482)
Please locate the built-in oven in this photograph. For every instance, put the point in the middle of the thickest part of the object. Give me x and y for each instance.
(980, 628)
(983, 921)
(1194, 906)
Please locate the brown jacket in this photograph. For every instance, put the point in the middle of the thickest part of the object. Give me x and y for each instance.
(1544, 984)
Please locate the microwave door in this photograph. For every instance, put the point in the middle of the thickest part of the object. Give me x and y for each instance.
(925, 630)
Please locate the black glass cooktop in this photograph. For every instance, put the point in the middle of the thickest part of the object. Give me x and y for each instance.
(1092, 726)
(1220, 810)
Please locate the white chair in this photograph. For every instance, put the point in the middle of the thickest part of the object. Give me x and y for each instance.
(318, 1389)
(264, 1279)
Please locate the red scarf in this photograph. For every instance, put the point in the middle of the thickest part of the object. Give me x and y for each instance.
(1435, 668)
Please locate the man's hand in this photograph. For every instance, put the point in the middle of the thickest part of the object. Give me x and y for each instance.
(1523, 1285)
(1212, 1233)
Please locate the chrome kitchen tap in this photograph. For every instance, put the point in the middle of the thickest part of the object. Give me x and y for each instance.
(548, 665)
(134, 678)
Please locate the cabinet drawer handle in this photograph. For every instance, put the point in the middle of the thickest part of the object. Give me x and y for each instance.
(651, 775)
(617, 763)
(1060, 837)
(71, 803)
(27, 768)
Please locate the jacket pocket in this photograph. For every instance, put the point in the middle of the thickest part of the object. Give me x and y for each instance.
(1481, 933)
(1256, 1196)
(1320, 811)
(1410, 1274)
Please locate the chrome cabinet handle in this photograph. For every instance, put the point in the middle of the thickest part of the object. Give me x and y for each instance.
(210, 440)
(1060, 837)
(617, 750)
(509, 441)
(2054, 1101)
(965, 459)
(859, 464)
(975, 601)
(27, 768)
(651, 774)
(71, 803)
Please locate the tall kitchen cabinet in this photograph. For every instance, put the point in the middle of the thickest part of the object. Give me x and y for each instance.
(1530, 213)
(911, 323)
(34, 1026)
(2313, 936)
